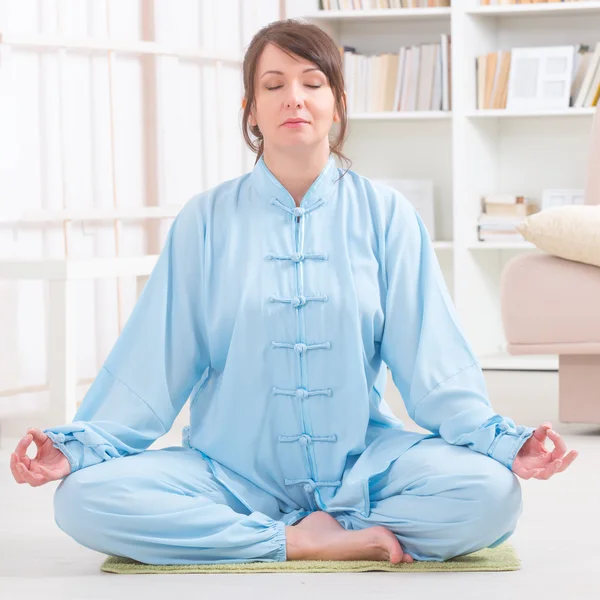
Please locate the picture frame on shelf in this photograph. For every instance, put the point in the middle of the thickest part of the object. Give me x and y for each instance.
(540, 78)
(554, 198)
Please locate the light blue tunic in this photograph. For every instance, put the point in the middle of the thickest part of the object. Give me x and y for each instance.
(279, 322)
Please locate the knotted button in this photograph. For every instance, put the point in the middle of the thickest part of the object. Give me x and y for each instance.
(300, 348)
(299, 301)
(298, 211)
(297, 257)
(301, 393)
(304, 440)
(309, 487)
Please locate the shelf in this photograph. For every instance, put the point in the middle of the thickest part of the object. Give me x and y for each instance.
(536, 10)
(382, 14)
(89, 214)
(443, 245)
(502, 246)
(519, 114)
(413, 115)
(523, 362)
(102, 45)
(91, 268)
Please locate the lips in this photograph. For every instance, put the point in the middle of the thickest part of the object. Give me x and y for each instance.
(295, 121)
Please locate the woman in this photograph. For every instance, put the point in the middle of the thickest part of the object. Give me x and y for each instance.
(276, 301)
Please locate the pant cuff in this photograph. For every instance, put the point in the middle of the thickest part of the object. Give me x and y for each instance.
(280, 539)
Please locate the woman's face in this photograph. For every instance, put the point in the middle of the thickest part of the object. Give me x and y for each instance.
(291, 88)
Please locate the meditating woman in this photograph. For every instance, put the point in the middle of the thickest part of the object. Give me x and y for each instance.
(277, 302)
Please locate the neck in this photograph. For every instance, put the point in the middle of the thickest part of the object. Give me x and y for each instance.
(296, 172)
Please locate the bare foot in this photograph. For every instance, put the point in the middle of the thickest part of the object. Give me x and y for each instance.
(320, 537)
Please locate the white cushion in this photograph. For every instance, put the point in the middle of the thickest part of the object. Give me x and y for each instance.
(571, 232)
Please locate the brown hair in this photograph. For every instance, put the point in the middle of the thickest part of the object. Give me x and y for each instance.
(311, 43)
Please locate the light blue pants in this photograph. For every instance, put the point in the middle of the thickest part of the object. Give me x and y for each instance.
(166, 507)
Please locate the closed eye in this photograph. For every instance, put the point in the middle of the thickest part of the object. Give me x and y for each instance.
(278, 86)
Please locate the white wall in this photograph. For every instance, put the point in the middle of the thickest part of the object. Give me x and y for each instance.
(176, 130)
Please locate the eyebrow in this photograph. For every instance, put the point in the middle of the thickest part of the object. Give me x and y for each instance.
(281, 72)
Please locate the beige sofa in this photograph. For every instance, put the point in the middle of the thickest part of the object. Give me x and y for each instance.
(551, 305)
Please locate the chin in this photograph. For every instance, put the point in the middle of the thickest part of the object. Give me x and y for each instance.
(297, 145)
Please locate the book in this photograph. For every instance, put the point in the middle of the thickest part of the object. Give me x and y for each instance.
(415, 77)
(506, 199)
(510, 210)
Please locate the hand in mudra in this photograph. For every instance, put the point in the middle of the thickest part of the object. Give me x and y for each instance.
(535, 461)
(49, 463)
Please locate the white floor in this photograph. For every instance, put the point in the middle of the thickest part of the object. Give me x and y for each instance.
(557, 539)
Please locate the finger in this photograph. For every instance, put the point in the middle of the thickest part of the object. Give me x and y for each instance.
(30, 478)
(550, 470)
(560, 447)
(39, 437)
(541, 432)
(14, 461)
(529, 473)
(536, 473)
(24, 459)
(39, 469)
(22, 446)
(47, 473)
(533, 473)
(567, 460)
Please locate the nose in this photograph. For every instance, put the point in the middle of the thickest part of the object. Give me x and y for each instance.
(294, 98)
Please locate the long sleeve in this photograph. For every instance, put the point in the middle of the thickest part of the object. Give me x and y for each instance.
(432, 363)
(155, 363)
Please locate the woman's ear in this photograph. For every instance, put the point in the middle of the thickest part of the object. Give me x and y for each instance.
(251, 118)
(336, 116)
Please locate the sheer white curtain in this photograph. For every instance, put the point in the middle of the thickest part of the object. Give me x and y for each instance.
(102, 128)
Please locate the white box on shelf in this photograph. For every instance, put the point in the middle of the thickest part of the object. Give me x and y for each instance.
(552, 198)
(419, 192)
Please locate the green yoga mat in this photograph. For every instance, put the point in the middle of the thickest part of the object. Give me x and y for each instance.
(502, 558)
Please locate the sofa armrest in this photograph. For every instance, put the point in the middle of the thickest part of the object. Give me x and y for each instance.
(552, 303)
(592, 186)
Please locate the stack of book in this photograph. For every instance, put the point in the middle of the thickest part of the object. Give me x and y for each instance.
(505, 2)
(417, 78)
(374, 4)
(500, 215)
(493, 72)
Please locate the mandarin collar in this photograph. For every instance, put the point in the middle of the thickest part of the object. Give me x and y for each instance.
(270, 187)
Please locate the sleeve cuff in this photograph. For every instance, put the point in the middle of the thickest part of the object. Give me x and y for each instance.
(72, 449)
(82, 447)
(508, 442)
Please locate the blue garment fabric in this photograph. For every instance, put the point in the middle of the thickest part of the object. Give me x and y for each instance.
(166, 507)
(278, 321)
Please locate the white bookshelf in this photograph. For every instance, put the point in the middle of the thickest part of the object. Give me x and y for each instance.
(509, 246)
(470, 152)
(416, 115)
(535, 10)
(501, 361)
(405, 14)
(495, 113)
